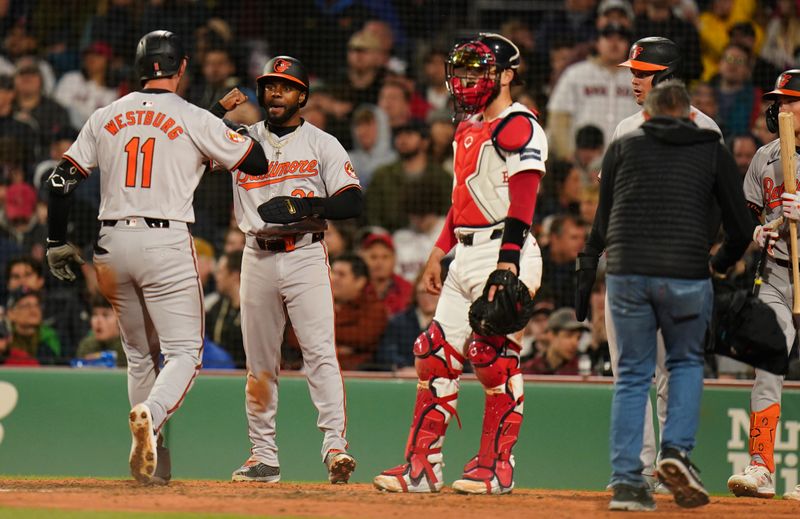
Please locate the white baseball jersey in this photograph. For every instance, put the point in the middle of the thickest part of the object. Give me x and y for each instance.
(480, 191)
(594, 94)
(150, 148)
(305, 162)
(633, 122)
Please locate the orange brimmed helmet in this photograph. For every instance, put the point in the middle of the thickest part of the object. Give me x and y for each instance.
(788, 85)
(283, 67)
(654, 54)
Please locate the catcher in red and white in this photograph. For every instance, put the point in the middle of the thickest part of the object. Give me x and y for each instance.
(500, 151)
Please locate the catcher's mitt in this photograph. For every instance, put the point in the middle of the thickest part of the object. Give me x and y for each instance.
(508, 312)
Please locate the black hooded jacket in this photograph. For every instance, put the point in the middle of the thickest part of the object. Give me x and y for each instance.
(658, 195)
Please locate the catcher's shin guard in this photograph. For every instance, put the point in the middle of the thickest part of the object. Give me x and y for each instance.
(496, 363)
(438, 366)
(763, 425)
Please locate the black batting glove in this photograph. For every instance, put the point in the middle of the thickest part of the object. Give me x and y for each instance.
(290, 209)
(586, 271)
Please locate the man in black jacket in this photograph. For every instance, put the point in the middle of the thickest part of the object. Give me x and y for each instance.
(656, 196)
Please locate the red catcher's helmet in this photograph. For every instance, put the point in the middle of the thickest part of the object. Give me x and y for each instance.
(283, 67)
(473, 70)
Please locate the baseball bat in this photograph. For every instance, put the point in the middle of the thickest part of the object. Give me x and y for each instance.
(786, 128)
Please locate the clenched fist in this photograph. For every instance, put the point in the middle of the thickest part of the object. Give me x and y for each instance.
(233, 99)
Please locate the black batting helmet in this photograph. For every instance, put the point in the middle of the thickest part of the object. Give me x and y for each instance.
(787, 84)
(284, 67)
(158, 55)
(654, 54)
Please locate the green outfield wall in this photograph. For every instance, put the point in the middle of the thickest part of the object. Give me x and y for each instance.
(74, 423)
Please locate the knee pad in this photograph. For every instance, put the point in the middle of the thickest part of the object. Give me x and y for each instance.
(495, 359)
(435, 357)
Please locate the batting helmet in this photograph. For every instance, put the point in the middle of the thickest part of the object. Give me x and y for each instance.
(787, 84)
(654, 54)
(158, 55)
(284, 67)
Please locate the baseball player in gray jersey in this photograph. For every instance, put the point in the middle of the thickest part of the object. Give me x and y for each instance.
(282, 212)
(763, 190)
(150, 148)
(651, 60)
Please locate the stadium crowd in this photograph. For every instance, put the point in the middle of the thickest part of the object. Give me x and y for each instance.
(378, 85)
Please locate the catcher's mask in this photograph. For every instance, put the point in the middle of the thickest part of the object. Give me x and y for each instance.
(473, 71)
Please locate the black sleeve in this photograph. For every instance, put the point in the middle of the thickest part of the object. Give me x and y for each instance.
(341, 206)
(255, 162)
(596, 242)
(736, 219)
(58, 218)
(62, 181)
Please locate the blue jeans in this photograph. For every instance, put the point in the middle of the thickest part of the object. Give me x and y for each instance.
(640, 305)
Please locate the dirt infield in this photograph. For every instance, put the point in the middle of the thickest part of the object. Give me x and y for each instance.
(351, 501)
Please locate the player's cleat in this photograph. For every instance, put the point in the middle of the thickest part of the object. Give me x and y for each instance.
(254, 470)
(679, 475)
(340, 466)
(144, 454)
(653, 484)
(793, 494)
(398, 479)
(163, 472)
(628, 498)
(755, 481)
(484, 480)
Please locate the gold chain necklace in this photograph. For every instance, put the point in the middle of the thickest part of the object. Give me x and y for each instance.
(277, 145)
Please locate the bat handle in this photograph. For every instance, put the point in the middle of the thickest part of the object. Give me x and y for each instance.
(760, 268)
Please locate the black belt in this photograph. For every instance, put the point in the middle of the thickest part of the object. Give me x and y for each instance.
(783, 263)
(153, 223)
(466, 239)
(285, 243)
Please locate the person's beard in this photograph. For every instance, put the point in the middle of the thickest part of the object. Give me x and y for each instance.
(408, 154)
(288, 112)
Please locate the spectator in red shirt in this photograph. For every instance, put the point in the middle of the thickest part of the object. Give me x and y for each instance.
(360, 317)
(377, 250)
(561, 355)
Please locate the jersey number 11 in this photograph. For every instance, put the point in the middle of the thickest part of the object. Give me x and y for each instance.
(132, 149)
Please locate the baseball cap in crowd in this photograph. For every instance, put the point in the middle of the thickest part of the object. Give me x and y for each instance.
(543, 307)
(607, 6)
(362, 40)
(99, 47)
(589, 137)
(15, 296)
(564, 319)
(6, 82)
(615, 28)
(372, 238)
(20, 201)
(413, 126)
